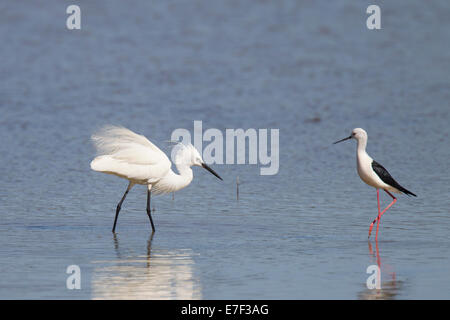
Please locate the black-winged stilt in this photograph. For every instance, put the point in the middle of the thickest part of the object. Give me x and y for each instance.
(374, 174)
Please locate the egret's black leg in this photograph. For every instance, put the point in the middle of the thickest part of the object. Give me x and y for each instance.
(149, 211)
(119, 205)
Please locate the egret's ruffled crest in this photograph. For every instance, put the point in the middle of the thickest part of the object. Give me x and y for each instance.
(185, 154)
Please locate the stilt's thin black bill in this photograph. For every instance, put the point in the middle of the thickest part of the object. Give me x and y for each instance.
(211, 170)
(343, 140)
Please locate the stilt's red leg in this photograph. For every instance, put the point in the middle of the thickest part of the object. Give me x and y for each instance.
(378, 200)
(394, 200)
(379, 211)
(378, 224)
(379, 215)
(392, 196)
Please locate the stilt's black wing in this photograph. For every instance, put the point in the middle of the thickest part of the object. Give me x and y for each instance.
(387, 178)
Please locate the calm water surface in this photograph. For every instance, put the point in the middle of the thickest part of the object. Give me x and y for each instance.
(310, 69)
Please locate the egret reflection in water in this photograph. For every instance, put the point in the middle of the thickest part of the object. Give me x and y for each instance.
(158, 274)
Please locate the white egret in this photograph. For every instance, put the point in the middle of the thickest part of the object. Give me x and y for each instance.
(374, 174)
(131, 156)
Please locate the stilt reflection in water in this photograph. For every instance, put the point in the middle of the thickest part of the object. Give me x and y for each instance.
(389, 288)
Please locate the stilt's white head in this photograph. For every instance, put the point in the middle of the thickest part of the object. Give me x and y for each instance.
(358, 134)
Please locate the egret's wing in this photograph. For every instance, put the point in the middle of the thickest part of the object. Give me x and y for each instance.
(121, 151)
(123, 144)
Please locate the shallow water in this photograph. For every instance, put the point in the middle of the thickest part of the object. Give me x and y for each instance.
(310, 69)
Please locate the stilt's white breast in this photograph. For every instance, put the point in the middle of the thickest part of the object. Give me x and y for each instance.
(366, 172)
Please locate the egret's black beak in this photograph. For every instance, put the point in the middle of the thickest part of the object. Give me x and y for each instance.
(211, 170)
(343, 140)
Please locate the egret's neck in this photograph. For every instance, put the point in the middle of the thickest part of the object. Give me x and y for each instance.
(172, 182)
(183, 178)
(184, 170)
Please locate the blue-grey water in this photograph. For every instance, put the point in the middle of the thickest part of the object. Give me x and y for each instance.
(308, 68)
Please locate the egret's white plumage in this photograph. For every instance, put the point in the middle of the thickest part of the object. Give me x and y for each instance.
(129, 155)
(132, 156)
